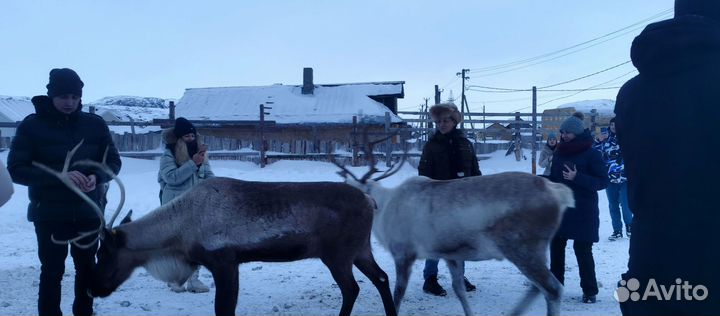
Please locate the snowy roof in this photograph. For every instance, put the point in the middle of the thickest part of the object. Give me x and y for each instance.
(329, 103)
(603, 106)
(15, 109)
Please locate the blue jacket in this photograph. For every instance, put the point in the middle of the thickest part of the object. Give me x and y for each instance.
(611, 154)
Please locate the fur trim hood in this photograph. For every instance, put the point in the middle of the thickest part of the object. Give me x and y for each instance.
(179, 149)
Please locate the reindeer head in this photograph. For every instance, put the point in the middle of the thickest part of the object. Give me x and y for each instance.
(111, 268)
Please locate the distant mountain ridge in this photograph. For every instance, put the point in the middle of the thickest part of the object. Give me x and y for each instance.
(133, 101)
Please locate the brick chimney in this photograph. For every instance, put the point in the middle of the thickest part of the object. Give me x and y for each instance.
(308, 86)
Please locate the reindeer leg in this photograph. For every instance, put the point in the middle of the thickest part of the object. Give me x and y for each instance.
(457, 270)
(226, 288)
(403, 269)
(341, 270)
(531, 261)
(366, 263)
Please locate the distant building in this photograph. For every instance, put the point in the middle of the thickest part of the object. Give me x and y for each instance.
(12, 110)
(303, 118)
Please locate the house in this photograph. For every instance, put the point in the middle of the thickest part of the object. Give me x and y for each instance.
(497, 131)
(598, 112)
(13, 110)
(300, 118)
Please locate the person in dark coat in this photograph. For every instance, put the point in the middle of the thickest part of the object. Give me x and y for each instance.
(447, 155)
(673, 191)
(46, 137)
(580, 167)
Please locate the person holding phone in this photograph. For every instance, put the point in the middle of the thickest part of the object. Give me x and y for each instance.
(183, 165)
(580, 167)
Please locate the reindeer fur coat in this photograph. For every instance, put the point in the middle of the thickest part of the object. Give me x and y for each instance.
(178, 173)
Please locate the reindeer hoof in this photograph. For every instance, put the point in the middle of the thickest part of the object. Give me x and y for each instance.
(176, 287)
(196, 286)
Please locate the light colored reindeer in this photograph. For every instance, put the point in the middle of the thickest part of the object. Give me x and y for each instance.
(509, 215)
(223, 222)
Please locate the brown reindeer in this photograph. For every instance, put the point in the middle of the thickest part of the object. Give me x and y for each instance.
(224, 222)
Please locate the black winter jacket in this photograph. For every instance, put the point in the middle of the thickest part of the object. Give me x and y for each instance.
(673, 191)
(582, 221)
(449, 156)
(46, 137)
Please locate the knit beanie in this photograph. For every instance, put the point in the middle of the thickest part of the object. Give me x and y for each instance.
(707, 8)
(183, 127)
(441, 110)
(572, 125)
(552, 135)
(64, 81)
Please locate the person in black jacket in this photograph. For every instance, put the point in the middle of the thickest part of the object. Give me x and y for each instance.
(673, 191)
(46, 137)
(447, 155)
(580, 167)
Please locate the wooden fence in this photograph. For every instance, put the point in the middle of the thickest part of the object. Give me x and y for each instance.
(525, 133)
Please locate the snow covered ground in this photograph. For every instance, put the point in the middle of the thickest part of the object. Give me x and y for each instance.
(296, 288)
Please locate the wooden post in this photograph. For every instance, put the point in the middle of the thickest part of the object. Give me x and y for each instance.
(517, 138)
(92, 109)
(132, 135)
(534, 130)
(172, 110)
(262, 136)
(355, 150)
(388, 142)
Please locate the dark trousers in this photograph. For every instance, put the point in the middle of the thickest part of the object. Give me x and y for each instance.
(586, 263)
(52, 265)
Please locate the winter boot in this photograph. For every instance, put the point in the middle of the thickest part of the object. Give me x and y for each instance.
(194, 284)
(469, 286)
(432, 286)
(589, 299)
(615, 235)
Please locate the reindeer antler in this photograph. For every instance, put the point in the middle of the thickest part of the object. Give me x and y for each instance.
(104, 168)
(62, 175)
(368, 149)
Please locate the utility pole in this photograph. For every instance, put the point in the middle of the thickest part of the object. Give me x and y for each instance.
(534, 130)
(463, 101)
(426, 116)
(437, 94)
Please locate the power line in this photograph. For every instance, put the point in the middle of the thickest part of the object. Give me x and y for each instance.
(631, 28)
(585, 76)
(587, 89)
(510, 90)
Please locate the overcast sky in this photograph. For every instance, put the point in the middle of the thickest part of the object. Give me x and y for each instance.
(160, 48)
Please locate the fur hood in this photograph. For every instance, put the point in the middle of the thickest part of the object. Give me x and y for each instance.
(179, 149)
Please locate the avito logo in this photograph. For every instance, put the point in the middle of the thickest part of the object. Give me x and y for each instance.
(681, 290)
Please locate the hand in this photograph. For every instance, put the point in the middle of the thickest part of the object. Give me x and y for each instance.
(602, 137)
(569, 173)
(79, 179)
(199, 158)
(90, 185)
